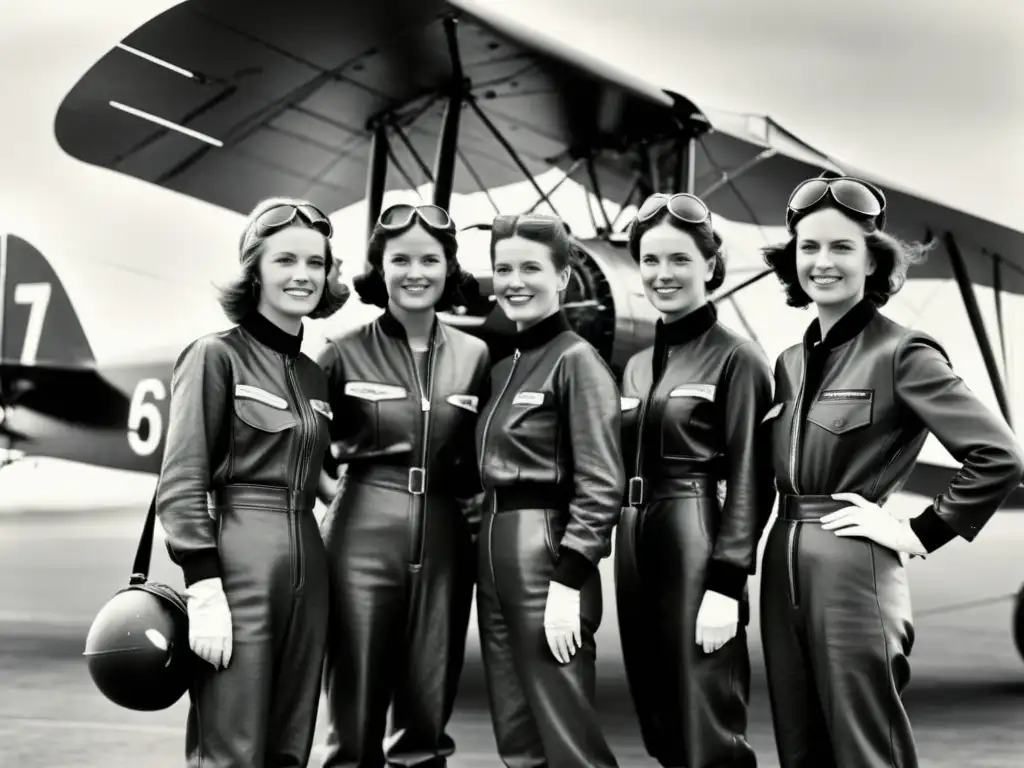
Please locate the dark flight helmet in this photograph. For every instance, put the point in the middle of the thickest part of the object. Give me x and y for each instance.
(138, 650)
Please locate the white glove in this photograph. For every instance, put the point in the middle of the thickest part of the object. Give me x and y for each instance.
(209, 622)
(717, 621)
(562, 621)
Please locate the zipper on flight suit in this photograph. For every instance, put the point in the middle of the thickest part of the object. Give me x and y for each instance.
(307, 440)
(793, 533)
(417, 480)
(635, 489)
(480, 468)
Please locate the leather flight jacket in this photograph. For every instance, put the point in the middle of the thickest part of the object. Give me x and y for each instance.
(247, 408)
(699, 396)
(852, 413)
(550, 438)
(397, 425)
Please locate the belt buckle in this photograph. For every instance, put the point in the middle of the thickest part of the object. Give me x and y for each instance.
(636, 491)
(417, 480)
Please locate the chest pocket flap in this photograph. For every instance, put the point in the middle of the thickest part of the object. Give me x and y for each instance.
(368, 390)
(627, 404)
(702, 391)
(842, 410)
(322, 408)
(263, 410)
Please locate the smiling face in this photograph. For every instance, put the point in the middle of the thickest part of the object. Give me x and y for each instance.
(832, 259)
(673, 270)
(526, 282)
(414, 268)
(292, 272)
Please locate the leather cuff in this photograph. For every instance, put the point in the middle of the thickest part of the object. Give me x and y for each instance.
(725, 579)
(932, 530)
(204, 564)
(573, 569)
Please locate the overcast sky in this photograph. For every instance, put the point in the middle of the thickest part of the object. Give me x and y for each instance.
(928, 93)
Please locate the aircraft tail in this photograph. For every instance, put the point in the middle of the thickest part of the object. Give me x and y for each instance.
(38, 326)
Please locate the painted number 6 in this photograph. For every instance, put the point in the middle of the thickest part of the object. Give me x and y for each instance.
(143, 410)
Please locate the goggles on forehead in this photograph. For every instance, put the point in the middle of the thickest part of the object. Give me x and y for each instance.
(684, 207)
(849, 193)
(280, 216)
(401, 216)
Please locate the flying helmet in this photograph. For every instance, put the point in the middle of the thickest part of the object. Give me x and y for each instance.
(137, 649)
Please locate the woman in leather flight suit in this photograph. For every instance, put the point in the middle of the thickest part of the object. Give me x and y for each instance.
(551, 465)
(405, 391)
(854, 404)
(692, 407)
(249, 425)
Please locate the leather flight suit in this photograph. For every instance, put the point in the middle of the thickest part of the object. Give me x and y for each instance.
(692, 408)
(249, 425)
(851, 415)
(548, 443)
(399, 540)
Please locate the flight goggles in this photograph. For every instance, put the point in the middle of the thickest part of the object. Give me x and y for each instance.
(400, 216)
(852, 194)
(684, 207)
(280, 216)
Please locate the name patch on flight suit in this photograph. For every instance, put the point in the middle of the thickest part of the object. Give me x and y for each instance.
(249, 392)
(628, 403)
(466, 402)
(703, 391)
(528, 398)
(322, 408)
(774, 411)
(846, 394)
(367, 390)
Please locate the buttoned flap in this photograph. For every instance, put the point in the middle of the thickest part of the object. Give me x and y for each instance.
(840, 411)
(323, 408)
(375, 392)
(465, 402)
(627, 404)
(701, 391)
(262, 409)
(773, 413)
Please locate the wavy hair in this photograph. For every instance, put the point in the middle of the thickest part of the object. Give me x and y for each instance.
(893, 259)
(241, 296)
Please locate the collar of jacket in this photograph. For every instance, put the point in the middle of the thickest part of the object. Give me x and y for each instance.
(540, 334)
(849, 325)
(687, 328)
(269, 334)
(393, 327)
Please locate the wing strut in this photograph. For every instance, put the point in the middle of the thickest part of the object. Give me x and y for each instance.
(378, 175)
(444, 162)
(963, 281)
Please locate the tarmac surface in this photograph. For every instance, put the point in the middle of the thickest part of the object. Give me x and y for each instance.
(966, 699)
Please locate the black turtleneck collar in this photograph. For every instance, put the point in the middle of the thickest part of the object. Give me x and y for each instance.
(540, 334)
(687, 328)
(849, 325)
(269, 334)
(393, 327)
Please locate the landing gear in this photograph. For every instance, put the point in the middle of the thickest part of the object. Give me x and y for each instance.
(1018, 622)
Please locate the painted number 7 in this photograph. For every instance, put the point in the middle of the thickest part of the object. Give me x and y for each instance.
(37, 297)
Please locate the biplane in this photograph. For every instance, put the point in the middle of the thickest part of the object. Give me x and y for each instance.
(226, 102)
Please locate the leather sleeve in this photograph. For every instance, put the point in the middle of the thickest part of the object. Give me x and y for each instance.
(468, 489)
(747, 396)
(991, 458)
(330, 363)
(590, 402)
(201, 387)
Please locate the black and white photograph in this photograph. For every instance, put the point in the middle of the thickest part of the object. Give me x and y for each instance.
(493, 384)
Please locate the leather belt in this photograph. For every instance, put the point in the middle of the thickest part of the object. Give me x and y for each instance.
(808, 509)
(270, 497)
(643, 491)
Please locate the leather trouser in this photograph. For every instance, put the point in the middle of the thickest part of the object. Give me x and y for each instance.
(261, 710)
(542, 711)
(401, 596)
(692, 705)
(837, 633)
